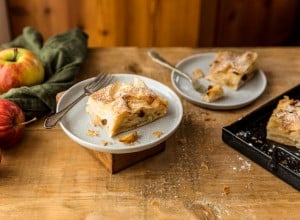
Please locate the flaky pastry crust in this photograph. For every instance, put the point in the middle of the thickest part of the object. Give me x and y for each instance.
(284, 123)
(232, 69)
(124, 106)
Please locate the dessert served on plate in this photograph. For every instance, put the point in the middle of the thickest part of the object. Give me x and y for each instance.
(284, 124)
(123, 106)
(232, 69)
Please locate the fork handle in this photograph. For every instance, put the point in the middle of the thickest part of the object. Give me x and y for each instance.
(158, 59)
(52, 120)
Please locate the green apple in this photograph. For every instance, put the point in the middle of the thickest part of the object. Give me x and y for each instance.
(19, 67)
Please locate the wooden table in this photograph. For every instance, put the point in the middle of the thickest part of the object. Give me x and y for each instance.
(48, 176)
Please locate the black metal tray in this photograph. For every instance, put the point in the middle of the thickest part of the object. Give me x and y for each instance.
(248, 136)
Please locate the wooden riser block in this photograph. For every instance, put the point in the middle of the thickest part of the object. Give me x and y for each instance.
(117, 162)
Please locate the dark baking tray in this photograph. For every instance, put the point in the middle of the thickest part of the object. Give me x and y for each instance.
(248, 136)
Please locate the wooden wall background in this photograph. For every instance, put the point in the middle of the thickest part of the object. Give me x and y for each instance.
(146, 23)
(5, 32)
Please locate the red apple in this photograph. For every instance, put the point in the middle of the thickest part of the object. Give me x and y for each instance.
(19, 67)
(11, 123)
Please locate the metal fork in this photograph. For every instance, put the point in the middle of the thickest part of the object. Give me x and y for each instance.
(162, 61)
(100, 81)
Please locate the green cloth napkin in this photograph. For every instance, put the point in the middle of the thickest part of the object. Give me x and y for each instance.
(61, 56)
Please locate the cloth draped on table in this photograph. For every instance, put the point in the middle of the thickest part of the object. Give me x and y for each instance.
(61, 56)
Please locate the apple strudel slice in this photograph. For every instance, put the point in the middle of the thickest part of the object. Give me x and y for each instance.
(284, 124)
(232, 69)
(123, 106)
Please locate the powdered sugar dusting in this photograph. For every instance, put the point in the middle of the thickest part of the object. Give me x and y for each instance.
(242, 165)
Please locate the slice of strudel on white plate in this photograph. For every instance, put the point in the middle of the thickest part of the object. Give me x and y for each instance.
(123, 106)
(232, 69)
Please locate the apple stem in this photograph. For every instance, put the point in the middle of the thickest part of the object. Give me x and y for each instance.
(27, 122)
(15, 54)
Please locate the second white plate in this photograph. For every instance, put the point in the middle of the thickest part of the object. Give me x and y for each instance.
(232, 100)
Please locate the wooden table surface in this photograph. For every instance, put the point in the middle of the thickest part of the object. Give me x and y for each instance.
(48, 176)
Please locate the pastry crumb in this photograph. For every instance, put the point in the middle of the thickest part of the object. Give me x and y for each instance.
(91, 132)
(129, 138)
(197, 74)
(226, 190)
(157, 134)
(155, 203)
(204, 165)
(104, 142)
(182, 141)
(213, 93)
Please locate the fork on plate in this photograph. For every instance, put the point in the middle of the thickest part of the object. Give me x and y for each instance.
(97, 83)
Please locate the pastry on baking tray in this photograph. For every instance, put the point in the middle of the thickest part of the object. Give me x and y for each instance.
(124, 106)
(213, 92)
(232, 69)
(284, 124)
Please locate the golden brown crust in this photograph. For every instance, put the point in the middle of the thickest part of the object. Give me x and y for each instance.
(123, 106)
(284, 123)
(232, 69)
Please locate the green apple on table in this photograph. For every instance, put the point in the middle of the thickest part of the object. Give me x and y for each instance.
(19, 67)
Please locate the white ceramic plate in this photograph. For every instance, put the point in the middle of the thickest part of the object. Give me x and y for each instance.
(77, 122)
(232, 100)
